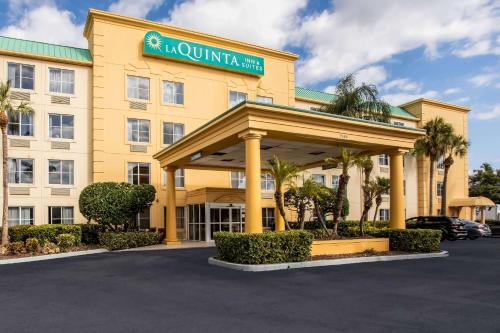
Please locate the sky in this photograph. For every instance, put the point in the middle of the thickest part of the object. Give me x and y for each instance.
(441, 49)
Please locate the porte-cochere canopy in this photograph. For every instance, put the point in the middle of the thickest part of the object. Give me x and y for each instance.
(249, 134)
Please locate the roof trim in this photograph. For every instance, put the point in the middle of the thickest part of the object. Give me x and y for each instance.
(471, 201)
(437, 103)
(95, 13)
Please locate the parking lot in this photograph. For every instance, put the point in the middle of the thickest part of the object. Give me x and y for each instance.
(177, 291)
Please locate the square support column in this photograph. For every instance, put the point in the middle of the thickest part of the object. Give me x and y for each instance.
(171, 229)
(397, 199)
(253, 204)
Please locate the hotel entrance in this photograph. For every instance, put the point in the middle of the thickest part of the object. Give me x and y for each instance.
(206, 219)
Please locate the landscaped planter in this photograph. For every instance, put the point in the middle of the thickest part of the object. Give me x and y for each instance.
(346, 246)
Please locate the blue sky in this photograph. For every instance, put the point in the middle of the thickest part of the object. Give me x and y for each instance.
(442, 49)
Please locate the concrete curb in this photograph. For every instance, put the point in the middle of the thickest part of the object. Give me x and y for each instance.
(51, 256)
(321, 263)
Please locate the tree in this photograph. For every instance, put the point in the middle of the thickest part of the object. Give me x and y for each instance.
(433, 145)
(346, 160)
(381, 186)
(141, 197)
(358, 101)
(485, 182)
(456, 147)
(298, 199)
(7, 108)
(283, 172)
(365, 163)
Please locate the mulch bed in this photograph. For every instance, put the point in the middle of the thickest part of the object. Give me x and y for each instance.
(358, 255)
(333, 237)
(73, 249)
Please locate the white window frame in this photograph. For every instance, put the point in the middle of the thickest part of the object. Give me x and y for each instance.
(264, 99)
(176, 92)
(440, 163)
(18, 173)
(64, 220)
(439, 188)
(60, 83)
(138, 174)
(266, 218)
(131, 130)
(20, 220)
(133, 88)
(21, 76)
(240, 97)
(315, 175)
(266, 182)
(383, 160)
(335, 181)
(172, 136)
(60, 115)
(61, 172)
(180, 178)
(31, 124)
(384, 214)
(238, 178)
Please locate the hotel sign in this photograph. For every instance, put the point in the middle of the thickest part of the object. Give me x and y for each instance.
(167, 47)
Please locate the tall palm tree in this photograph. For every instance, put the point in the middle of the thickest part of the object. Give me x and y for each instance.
(283, 172)
(457, 147)
(382, 186)
(433, 145)
(6, 107)
(346, 160)
(358, 101)
(365, 163)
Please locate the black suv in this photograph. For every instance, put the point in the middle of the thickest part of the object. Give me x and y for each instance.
(451, 227)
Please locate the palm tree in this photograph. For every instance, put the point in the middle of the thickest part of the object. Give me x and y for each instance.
(283, 172)
(317, 193)
(433, 145)
(6, 107)
(346, 160)
(457, 147)
(365, 163)
(381, 186)
(358, 101)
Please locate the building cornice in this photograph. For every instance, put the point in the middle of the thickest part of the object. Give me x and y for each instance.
(436, 103)
(45, 58)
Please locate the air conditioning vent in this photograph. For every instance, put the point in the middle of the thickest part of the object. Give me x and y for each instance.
(60, 145)
(138, 148)
(19, 143)
(60, 191)
(138, 106)
(19, 191)
(59, 100)
(22, 96)
(384, 169)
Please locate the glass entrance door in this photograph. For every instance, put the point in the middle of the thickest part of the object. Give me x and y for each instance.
(226, 219)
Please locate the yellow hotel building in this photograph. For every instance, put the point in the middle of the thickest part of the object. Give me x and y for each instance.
(148, 103)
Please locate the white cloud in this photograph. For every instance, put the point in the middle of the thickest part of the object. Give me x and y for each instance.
(480, 47)
(371, 75)
(404, 84)
(135, 8)
(48, 24)
(401, 98)
(262, 22)
(494, 113)
(452, 91)
(403, 90)
(485, 79)
(350, 36)
(462, 100)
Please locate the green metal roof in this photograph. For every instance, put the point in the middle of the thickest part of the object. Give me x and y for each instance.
(323, 97)
(45, 49)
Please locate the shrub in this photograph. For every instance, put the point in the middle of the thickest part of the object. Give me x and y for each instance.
(265, 248)
(90, 233)
(411, 240)
(50, 248)
(32, 245)
(44, 233)
(127, 240)
(17, 247)
(65, 241)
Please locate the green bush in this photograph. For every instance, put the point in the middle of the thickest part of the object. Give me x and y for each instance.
(17, 247)
(65, 241)
(32, 245)
(265, 248)
(90, 233)
(50, 248)
(127, 240)
(411, 240)
(44, 233)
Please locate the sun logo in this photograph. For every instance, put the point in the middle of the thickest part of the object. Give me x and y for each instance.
(154, 41)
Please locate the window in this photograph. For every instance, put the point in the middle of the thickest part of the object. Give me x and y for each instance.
(138, 130)
(20, 124)
(61, 81)
(137, 87)
(61, 126)
(20, 216)
(143, 219)
(173, 92)
(172, 132)
(61, 172)
(383, 159)
(439, 189)
(21, 76)
(179, 178)
(179, 217)
(138, 173)
(236, 97)
(320, 179)
(238, 179)
(440, 163)
(384, 214)
(268, 217)
(20, 171)
(335, 182)
(61, 215)
(267, 182)
(264, 99)
(399, 123)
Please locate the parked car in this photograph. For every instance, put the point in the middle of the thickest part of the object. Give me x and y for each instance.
(476, 230)
(451, 227)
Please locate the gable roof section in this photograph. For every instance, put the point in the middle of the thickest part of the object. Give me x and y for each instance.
(323, 97)
(46, 51)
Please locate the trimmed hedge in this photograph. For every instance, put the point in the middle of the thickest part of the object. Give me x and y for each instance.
(265, 248)
(127, 240)
(411, 240)
(44, 233)
(90, 233)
